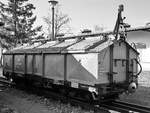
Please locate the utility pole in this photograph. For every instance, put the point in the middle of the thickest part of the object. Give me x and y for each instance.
(53, 3)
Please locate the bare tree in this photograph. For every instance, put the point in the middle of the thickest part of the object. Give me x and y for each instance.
(61, 22)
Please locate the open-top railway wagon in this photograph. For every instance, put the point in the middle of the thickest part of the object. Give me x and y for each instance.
(91, 66)
(97, 64)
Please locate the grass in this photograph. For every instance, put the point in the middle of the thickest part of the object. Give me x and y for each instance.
(6, 109)
(142, 94)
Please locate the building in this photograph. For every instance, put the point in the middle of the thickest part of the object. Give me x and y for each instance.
(141, 38)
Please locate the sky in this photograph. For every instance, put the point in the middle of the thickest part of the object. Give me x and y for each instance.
(85, 14)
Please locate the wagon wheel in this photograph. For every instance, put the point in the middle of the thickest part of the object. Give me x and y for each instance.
(88, 97)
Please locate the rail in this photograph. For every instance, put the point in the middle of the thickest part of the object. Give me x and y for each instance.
(106, 107)
(4, 83)
(125, 107)
(73, 101)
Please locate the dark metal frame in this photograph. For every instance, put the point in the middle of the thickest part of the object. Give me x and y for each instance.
(111, 65)
(127, 64)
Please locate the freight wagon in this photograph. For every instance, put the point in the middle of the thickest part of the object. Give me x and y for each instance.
(91, 66)
(97, 64)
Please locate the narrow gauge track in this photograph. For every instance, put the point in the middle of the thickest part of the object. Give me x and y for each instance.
(117, 105)
(4, 83)
(48, 93)
(73, 101)
(125, 107)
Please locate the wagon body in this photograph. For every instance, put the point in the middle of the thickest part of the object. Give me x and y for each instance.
(96, 62)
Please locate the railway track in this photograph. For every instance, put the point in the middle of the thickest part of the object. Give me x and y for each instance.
(4, 83)
(125, 107)
(87, 106)
(119, 106)
(72, 101)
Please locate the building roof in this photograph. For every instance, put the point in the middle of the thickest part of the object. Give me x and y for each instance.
(79, 43)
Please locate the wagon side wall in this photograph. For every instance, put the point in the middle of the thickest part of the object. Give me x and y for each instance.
(54, 66)
(82, 68)
(119, 66)
(104, 66)
(19, 64)
(7, 62)
(133, 67)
